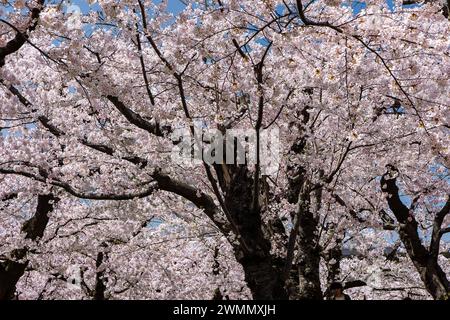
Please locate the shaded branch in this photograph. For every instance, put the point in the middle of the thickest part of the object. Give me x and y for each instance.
(152, 127)
(11, 270)
(437, 231)
(80, 194)
(21, 38)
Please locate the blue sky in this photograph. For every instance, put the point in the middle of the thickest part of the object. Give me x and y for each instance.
(175, 6)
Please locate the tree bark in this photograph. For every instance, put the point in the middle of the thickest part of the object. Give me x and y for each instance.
(332, 258)
(10, 273)
(445, 8)
(265, 273)
(13, 269)
(263, 278)
(309, 258)
(262, 270)
(426, 264)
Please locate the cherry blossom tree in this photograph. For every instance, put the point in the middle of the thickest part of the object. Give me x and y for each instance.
(94, 206)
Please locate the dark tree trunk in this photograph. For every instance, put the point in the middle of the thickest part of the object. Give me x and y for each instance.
(262, 271)
(10, 273)
(12, 270)
(100, 288)
(446, 10)
(332, 258)
(306, 235)
(309, 258)
(425, 262)
(246, 196)
(263, 278)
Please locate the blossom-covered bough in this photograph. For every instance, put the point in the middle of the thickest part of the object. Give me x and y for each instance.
(89, 105)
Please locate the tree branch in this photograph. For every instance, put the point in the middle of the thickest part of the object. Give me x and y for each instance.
(20, 38)
(80, 194)
(437, 231)
(152, 127)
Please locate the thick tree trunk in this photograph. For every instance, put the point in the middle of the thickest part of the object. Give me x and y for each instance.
(435, 280)
(262, 270)
(309, 258)
(10, 273)
(263, 278)
(429, 270)
(307, 238)
(332, 258)
(246, 202)
(12, 270)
